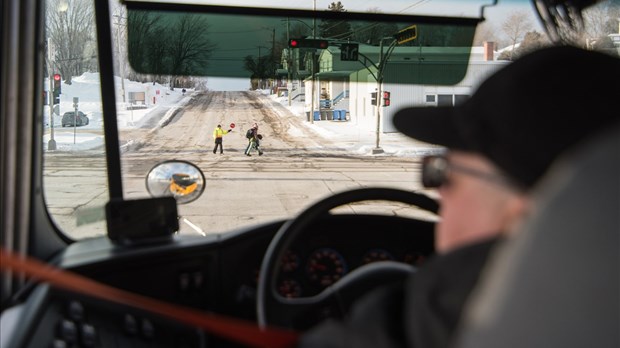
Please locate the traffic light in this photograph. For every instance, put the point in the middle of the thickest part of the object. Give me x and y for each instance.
(57, 82)
(308, 43)
(407, 34)
(57, 89)
(373, 98)
(386, 98)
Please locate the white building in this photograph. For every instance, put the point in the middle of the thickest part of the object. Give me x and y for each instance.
(411, 76)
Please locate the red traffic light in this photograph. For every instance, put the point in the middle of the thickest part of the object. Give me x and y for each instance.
(57, 85)
(308, 43)
(386, 98)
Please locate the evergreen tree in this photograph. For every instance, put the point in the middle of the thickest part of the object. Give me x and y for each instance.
(334, 28)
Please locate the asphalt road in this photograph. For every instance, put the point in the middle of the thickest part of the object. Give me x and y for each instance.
(295, 171)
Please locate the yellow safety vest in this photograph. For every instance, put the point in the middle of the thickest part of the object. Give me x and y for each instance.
(218, 132)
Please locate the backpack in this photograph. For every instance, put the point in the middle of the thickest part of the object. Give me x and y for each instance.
(249, 134)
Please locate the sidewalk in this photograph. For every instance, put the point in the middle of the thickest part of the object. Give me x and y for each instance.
(352, 138)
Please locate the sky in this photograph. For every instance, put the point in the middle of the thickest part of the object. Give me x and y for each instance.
(86, 89)
(429, 7)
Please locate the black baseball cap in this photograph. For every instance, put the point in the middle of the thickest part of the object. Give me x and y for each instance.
(527, 113)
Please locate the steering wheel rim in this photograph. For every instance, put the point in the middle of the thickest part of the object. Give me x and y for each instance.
(268, 297)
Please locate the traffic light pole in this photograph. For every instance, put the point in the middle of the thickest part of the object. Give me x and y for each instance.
(289, 87)
(120, 57)
(51, 144)
(313, 72)
(382, 61)
(312, 88)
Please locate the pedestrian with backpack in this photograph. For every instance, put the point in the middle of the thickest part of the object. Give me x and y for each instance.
(218, 134)
(253, 140)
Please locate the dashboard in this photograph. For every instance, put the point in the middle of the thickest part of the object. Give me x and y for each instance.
(218, 274)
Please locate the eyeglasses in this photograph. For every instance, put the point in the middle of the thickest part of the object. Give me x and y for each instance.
(436, 171)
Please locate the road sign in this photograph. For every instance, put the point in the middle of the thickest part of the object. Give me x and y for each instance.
(349, 52)
(407, 34)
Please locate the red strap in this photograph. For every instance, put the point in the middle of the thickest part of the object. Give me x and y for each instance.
(237, 330)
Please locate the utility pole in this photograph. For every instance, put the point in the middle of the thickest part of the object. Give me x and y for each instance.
(120, 58)
(261, 82)
(272, 62)
(51, 144)
(312, 71)
(293, 61)
(289, 58)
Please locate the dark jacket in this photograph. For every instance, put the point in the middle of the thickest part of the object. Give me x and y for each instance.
(423, 312)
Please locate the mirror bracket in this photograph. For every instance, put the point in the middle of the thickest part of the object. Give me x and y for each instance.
(142, 221)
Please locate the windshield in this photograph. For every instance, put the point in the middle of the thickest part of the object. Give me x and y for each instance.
(319, 90)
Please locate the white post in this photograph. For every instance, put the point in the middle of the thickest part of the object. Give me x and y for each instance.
(51, 144)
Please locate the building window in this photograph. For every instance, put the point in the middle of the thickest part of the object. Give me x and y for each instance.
(444, 100)
(460, 98)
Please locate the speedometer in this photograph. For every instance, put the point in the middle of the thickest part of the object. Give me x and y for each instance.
(374, 255)
(325, 266)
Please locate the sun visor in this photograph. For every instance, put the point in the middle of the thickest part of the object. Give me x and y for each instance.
(242, 42)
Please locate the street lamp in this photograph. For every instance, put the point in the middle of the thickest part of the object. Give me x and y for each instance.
(63, 6)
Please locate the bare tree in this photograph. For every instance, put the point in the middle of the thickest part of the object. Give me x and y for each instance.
(601, 19)
(532, 41)
(70, 28)
(485, 32)
(298, 30)
(189, 48)
(168, 45)
(333, 28)
(261, 69)
(119, 35)
(515, 27)
(144, 52)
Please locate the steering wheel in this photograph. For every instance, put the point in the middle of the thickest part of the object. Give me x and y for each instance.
(275, 309)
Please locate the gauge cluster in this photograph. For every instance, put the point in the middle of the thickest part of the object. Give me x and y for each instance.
(326, 254)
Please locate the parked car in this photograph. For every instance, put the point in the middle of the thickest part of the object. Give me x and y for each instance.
(68, 119)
